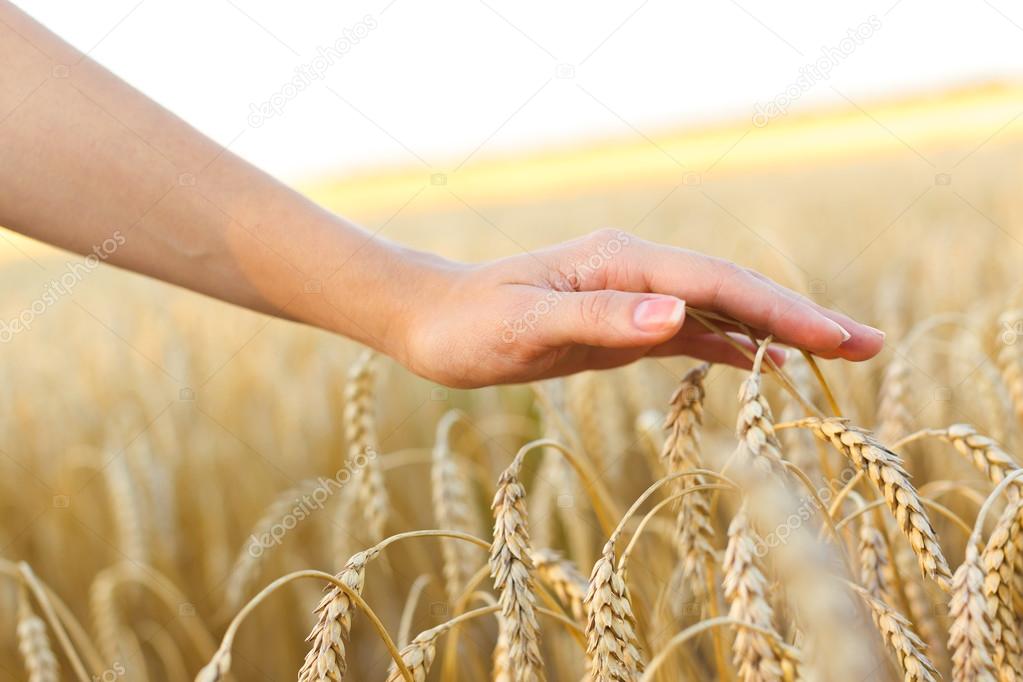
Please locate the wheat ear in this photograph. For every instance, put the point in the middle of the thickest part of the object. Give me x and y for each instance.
(611, 650)
(970, 640)
(327, 658)
(885, 470)
(894, 419)
(252, 554)
(899, 636)
(34, 644)
(562, 576)
(511, 568)
(745, 589)
(997, 562)
(758, 445)
(875, 571)
(1010, 361)
(681, 451)
(985, 453)
(418, 656)
(920, 604)
(363, 447)
(453, 509)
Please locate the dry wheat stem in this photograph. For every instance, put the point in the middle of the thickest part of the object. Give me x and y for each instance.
(885, 470)
(408, 612)
(603, 505)
(623, 561)
(39, 594)
(78, 635)
(789, 655)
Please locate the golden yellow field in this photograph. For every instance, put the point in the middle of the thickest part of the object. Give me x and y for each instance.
(165, 457)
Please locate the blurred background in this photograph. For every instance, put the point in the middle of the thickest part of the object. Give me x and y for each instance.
(866, 154)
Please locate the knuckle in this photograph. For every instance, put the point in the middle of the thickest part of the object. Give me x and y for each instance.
(597, 307)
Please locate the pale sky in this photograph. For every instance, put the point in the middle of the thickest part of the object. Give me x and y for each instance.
(433, 83)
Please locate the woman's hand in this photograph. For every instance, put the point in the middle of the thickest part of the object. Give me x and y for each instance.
(603, 301)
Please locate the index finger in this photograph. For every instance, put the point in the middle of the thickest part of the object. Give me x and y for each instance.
(723, 287)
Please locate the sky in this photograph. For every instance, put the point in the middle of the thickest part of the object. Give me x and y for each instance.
(314, 89)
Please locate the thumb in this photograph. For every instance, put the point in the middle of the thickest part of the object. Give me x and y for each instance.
(613, 319)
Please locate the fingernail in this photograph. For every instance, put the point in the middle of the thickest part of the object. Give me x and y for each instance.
(876, 331)
(845, 335)
(656, 314)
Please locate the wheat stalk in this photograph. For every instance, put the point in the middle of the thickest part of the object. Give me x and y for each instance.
(363, 448)
(511, 568)
(34, 644)
(898, 634)
(745, 589)
(997, 562)
(327, 658)
(611, 649)
(970, 640)
(885, 470)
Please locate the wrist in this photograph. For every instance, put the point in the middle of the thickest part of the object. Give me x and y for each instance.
(381, 291)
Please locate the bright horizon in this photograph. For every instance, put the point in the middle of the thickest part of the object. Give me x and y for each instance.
(490, 77)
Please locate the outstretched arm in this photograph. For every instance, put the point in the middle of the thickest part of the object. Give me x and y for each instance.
(85, 158)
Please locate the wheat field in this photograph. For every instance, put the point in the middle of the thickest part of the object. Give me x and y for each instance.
(191, 491)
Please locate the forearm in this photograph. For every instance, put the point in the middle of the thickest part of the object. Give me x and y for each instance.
(85, 158)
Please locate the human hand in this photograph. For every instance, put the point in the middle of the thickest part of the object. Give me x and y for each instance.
(603, 301)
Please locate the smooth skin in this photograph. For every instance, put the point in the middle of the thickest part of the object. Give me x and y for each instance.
(84, 157)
